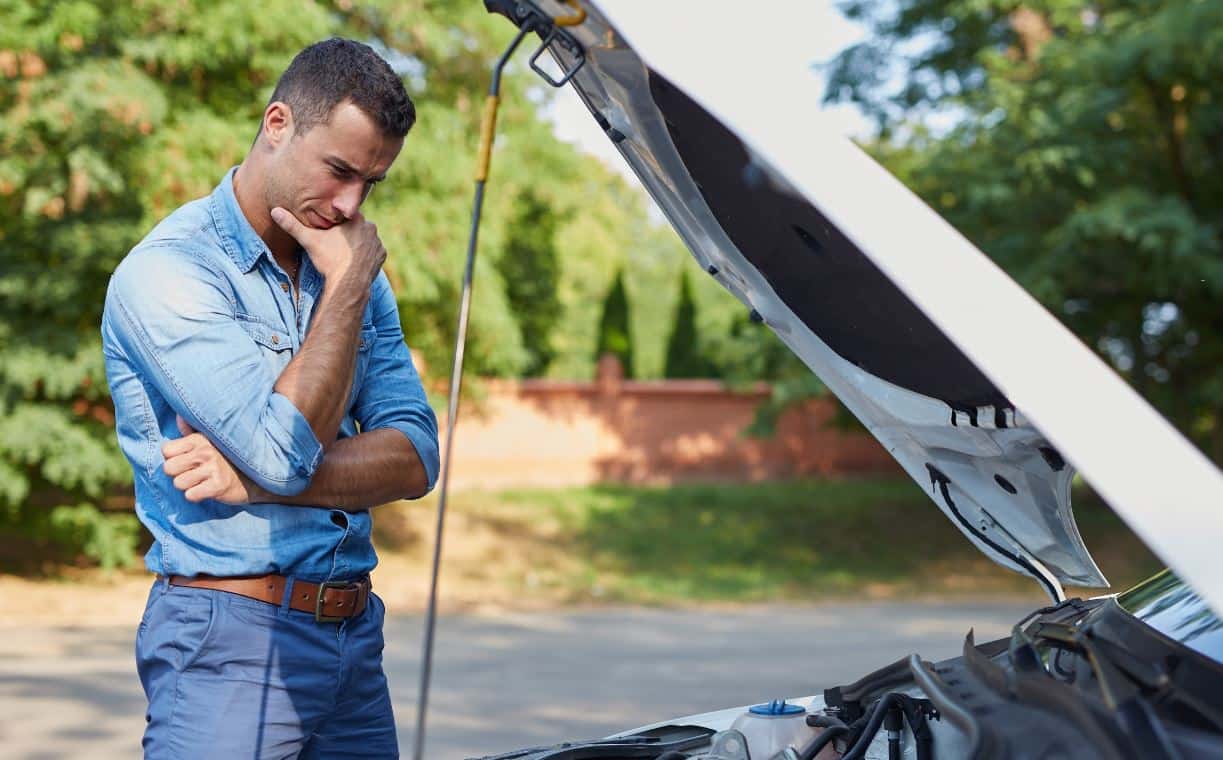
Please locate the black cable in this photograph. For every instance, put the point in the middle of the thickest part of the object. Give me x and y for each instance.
(818, 743)
(915, 715)
(873, 723)
(893, 723)
(897, 706)
(824, 721)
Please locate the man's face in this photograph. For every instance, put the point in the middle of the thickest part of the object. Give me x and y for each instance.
(324, 176)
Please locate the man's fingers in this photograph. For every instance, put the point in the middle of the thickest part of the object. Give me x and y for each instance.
(193, 477)
(177, 447)
(206, 490)
(176, 466)
(180, 446)
(289, 224)
(183, 427)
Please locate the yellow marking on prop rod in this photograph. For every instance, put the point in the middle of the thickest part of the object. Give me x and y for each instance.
(488, 127)
(573, 20)
(487, 132)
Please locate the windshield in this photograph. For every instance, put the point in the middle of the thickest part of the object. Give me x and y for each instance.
(1170, 606)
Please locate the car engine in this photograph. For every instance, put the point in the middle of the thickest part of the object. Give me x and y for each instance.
(1081, 679)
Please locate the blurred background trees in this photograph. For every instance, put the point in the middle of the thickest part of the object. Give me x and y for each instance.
(1078, 143)
(112, 114)
(530, 269)
(686, 354)
(615, 333)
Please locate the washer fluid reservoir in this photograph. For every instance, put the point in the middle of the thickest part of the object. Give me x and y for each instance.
(771, 727)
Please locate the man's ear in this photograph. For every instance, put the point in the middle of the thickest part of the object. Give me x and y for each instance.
(278, 123)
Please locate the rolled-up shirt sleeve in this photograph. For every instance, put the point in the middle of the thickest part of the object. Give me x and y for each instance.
(176, 321)
(391, 395)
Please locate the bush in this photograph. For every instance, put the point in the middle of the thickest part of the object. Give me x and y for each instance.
(614, 335)
(108, 539)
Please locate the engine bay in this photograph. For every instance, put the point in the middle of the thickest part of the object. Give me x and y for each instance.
(1080, 679)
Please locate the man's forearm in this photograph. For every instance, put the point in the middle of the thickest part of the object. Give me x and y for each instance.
(319, 378)
(364, 471)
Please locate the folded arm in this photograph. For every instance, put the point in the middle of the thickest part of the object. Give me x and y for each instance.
(396, 454)
(394, 457)
(364, 471)
(172, 315)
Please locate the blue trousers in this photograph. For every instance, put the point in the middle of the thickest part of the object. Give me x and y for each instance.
(234, 678)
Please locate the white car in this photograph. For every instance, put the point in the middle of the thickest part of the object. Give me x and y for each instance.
(984, 398)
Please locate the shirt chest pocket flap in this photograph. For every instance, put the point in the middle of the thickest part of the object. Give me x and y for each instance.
(274, 343)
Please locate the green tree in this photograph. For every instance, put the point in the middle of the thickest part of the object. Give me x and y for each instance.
(531, 271)
(685, 354)
(112, 114)
(614, 335)
(1079, 144)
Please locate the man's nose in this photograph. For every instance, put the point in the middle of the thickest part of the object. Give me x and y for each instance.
(349, 199)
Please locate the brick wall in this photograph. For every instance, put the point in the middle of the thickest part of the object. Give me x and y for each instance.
(559, 433)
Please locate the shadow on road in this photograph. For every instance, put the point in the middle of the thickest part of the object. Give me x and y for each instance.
(515, 680)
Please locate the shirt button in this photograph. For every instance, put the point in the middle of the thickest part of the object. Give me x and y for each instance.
(276, 339)
(284, 286)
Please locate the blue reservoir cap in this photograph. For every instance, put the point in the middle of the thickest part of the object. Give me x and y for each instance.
(776, 708)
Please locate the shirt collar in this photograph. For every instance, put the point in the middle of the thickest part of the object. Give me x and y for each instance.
(238, 238)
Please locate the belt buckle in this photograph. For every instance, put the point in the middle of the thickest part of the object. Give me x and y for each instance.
(319, 617)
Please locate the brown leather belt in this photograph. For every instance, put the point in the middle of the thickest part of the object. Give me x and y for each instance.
(329, 602)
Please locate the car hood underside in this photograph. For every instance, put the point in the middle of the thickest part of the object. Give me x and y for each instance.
(986, 466)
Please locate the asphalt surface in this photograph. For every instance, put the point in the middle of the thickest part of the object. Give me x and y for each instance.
(515, 680)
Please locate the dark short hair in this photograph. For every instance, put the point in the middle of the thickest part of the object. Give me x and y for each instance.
(332, 71)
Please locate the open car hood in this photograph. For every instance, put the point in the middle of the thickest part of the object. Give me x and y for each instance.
(983, 397)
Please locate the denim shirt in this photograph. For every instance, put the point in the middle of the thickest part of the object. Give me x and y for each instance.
(200, 321)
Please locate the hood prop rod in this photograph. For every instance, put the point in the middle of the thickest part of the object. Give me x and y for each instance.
(487, 131)
(533, 20)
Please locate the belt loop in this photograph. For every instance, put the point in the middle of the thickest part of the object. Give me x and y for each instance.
(288, 594)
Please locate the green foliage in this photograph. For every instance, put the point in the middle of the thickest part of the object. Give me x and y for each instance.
(615, 338)
(113, 114)
(800, 540)
(108, 539)
(1081, 146)
(685, 357)
(531, 271)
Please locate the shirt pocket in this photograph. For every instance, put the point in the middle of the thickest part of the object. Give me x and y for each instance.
(274, 343)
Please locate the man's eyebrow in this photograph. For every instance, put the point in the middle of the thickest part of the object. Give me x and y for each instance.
(340, 163)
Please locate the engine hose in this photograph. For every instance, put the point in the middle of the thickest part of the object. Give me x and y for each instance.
(893, 723)
(824, 721)
(873, 723)
(818, 743)
(922, 737)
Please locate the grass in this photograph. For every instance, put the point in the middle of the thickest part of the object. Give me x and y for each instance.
(736, 543)
(523, 549)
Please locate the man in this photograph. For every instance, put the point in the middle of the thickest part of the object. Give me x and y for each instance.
(259, 317)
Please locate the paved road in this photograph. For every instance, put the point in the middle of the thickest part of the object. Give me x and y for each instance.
(514, 680)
